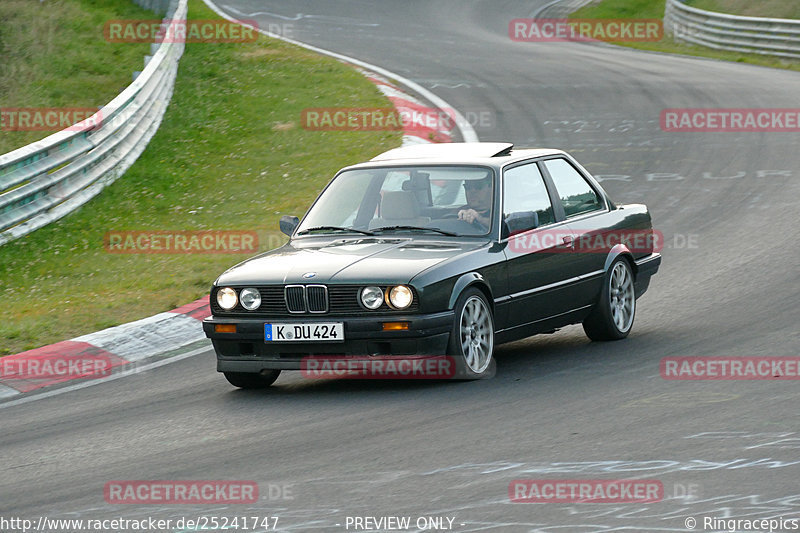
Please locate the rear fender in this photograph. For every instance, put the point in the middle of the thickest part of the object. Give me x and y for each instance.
(620, 250)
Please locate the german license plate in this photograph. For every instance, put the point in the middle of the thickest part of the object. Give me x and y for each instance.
(308, 332)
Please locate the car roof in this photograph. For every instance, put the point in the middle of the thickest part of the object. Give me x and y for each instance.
(480, 153)
(439, 150)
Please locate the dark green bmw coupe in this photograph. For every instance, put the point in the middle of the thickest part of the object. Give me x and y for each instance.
(439, 250)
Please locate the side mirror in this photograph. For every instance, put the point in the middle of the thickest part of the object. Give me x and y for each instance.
(288, 224)
(521, 221)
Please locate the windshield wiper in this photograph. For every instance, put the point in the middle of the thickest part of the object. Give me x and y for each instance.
(334, 228)
(437, 230)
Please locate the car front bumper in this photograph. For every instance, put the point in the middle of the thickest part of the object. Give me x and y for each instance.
(247, 351)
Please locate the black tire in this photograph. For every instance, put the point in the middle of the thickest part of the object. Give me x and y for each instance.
(613, 315)
(245, 380)
(471, 330)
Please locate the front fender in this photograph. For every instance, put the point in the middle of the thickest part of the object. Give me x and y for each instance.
(467, 280)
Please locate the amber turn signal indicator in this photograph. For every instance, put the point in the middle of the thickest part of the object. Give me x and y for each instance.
(395, 326)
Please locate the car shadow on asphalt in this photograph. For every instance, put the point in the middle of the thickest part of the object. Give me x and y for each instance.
(520, 361)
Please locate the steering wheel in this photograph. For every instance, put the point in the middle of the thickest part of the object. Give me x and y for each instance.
(478, 224)
(475, 222)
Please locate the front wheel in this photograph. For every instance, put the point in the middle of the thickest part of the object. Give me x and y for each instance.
(245, 380)
(612, 317)
(472, 337)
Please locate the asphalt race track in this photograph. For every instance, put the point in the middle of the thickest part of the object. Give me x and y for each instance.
(560, 407)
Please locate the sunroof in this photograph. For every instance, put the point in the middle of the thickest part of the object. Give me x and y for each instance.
(446, 150)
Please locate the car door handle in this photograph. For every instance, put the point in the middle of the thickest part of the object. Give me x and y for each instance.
(568, 241)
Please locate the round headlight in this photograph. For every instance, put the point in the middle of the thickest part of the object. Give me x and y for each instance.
(400, 297)
(250, 298)
(371, 297)
(226, 298)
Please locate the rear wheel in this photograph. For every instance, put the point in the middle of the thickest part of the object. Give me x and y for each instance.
(612, 317)
(472, 337)
(245, 380)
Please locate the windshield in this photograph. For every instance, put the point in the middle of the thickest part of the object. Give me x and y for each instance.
(455, 200)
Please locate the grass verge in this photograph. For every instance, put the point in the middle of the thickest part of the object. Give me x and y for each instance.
(229, 155)
(53, 54)
(654, 9)
(782, 9)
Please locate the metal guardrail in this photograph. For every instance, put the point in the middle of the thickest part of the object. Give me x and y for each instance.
(48, 179)
(768, 36)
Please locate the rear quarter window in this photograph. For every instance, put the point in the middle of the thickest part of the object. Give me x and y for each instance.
(576, 195)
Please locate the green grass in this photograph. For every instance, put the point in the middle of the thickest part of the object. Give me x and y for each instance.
(609, 9)
(649, 9)
(787, 9)
(53, 54)
(230, 155)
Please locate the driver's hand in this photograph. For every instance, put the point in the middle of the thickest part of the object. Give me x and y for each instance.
(468, 215)
(473, 217)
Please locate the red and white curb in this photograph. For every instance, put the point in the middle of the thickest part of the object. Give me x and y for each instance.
(96, 354)
(421, 123)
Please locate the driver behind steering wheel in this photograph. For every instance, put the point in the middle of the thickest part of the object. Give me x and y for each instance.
(479, 202)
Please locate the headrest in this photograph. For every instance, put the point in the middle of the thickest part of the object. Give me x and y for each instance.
(398, 205)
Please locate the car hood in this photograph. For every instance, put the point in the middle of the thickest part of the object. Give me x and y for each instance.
(371, 260)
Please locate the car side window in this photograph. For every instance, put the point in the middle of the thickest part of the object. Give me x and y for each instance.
(526, 204)
(576, 195)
